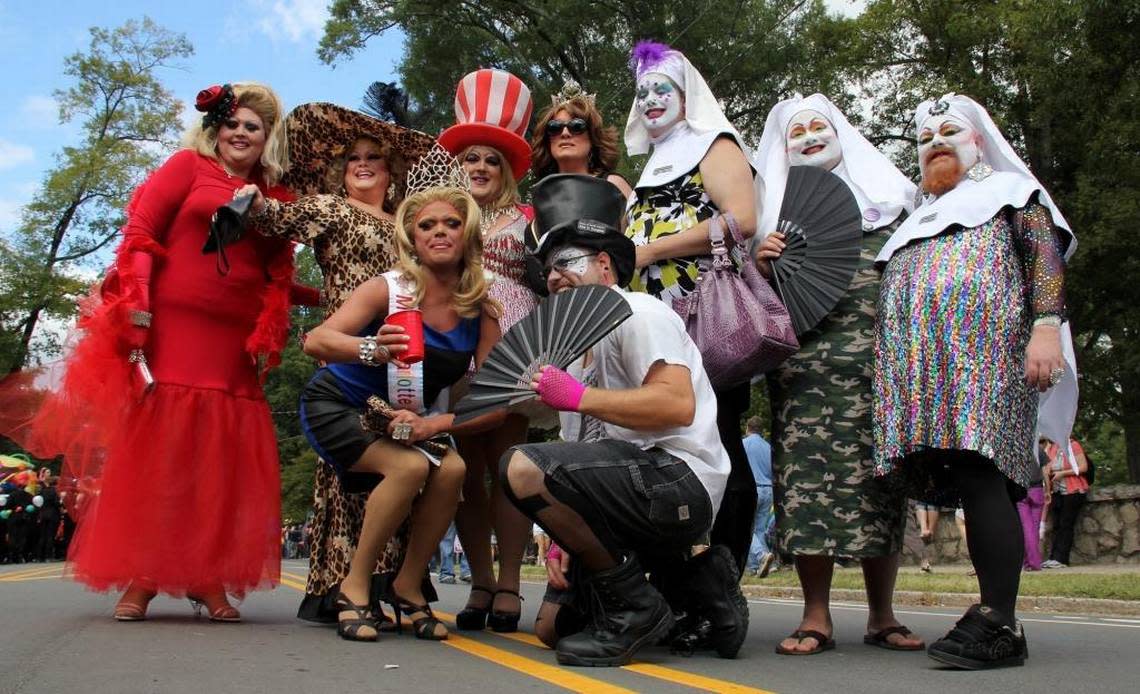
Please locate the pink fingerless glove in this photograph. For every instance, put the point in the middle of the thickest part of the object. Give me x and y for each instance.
(560, 390)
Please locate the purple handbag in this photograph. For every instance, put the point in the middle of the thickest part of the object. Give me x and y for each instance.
(734, 316)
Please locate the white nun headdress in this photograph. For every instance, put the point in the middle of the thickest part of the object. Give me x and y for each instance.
(881, 190)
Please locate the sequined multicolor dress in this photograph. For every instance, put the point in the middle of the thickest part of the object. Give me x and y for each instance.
(955, 315)
(828, 499)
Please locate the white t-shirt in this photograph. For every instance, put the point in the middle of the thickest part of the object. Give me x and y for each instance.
(621, 361)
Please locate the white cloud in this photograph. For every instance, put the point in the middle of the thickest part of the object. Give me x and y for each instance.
(292, 20)
(40, 111)
(13, 155)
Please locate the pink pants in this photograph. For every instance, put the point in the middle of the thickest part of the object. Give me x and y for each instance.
(1030, 509)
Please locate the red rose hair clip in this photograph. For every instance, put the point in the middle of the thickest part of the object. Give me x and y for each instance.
(217, 102)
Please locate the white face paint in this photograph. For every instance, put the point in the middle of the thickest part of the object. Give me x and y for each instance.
(659, 102)
(812, 141)
(568, 267)
(947, 134)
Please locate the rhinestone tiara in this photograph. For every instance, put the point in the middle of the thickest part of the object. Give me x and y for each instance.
(437, 169)
(570, 90)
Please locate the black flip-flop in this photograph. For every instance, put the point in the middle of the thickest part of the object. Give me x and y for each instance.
(823, 643)
(880, 639)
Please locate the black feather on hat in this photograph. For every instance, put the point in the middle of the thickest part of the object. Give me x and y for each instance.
(579, 210)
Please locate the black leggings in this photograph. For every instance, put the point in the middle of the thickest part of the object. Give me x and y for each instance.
(733, 525)
(993, 529)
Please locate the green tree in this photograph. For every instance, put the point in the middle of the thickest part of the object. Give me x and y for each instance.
(752, 52)
(127, 120)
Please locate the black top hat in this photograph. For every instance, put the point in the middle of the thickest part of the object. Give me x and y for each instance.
(579, 210)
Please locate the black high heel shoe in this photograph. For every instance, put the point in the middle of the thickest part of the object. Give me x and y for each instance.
(349, 629)
(423, 627)
(474, 618)
(504, 622)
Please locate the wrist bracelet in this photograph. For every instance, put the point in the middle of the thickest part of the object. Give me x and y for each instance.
(1052, 320)
(367, 351)
(140, 318)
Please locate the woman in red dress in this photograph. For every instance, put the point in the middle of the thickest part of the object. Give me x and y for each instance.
(180, 467)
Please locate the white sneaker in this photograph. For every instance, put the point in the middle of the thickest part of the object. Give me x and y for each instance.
(765, 565)
(1052, 564)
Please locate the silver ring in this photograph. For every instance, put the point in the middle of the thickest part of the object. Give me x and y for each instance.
(383, 352)
(1056, 375)
(402, 431)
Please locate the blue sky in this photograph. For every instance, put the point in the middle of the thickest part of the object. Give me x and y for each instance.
(271, 41)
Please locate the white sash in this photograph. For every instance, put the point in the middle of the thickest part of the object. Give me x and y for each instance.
(405, 385)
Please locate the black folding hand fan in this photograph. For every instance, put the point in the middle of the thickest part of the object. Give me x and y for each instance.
(558, 331)
(822, 228)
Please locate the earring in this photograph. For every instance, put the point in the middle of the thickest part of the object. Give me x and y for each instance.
(392, 191)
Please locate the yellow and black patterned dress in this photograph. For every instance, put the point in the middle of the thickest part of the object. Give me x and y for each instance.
(662, 211)
(828, 499)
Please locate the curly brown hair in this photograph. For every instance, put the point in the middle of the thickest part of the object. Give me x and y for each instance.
(604, 153)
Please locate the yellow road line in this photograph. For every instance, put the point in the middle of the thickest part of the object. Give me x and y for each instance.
(293, 584)
(27, 574)
(567, 678)
(682, 677)
(557, 676)
(708, 684)
(295, 577)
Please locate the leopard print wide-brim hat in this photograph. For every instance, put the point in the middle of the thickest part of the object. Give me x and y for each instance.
(319, 133)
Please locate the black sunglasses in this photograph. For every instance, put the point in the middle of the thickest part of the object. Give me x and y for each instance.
(577, 126)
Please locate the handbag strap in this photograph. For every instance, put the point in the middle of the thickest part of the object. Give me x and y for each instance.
(722, 255)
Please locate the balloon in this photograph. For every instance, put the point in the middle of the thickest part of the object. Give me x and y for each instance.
(5, 514)
(38, 501)
(30, 509)
(3, 499)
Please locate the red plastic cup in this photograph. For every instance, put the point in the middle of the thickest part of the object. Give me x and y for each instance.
(412, 321)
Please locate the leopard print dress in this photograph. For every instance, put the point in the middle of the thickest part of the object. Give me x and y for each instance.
(350, 246)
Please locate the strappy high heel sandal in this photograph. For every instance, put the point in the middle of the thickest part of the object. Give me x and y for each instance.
(349, 629)
(422, 627)
(130, 610)
(504, 622)
(474, 618)
(224, 613)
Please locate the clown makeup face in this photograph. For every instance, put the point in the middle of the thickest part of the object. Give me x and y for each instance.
(659, 102)
(947, 149)
(571, 266)
(812, 141)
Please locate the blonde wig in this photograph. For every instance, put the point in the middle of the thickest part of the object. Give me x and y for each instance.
(471, 293)
(264, 102)
(509, 195)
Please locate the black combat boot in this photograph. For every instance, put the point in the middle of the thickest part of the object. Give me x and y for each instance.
(628, 613)
(716, 612)
(981, 640)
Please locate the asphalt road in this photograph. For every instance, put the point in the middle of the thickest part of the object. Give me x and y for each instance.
(57, 637)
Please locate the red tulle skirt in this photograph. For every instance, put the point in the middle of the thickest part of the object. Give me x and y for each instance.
(189, 497)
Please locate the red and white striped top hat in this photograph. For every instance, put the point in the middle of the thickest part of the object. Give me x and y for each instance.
(492, 108)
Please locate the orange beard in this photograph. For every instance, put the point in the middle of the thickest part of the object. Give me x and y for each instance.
(942, 174)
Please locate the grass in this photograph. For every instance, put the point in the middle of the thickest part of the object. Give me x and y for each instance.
(1067, 583)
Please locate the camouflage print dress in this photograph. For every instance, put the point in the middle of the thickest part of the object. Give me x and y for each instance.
(828, 499)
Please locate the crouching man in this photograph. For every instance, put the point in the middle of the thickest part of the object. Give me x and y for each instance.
(637, 479)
